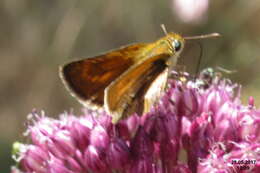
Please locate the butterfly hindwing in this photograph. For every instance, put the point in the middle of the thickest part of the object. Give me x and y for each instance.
(154, 92)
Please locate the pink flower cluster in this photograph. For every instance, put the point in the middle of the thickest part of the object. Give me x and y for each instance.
(191, 11)
(197, 126)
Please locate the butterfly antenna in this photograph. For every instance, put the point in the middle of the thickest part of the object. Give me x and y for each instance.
(197, 37)
(164, 29)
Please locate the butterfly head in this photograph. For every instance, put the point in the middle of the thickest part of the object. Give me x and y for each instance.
(176, 43)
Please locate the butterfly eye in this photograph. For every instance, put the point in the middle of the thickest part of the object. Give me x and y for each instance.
(177, 45)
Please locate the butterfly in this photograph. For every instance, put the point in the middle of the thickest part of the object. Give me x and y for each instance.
(126, 80)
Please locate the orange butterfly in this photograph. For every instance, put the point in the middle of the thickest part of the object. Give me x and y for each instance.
(126, 80)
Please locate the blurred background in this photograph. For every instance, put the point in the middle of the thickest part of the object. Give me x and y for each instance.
(36, 36)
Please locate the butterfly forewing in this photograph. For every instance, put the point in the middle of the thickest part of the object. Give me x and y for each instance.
(87, 79)
(126, 94)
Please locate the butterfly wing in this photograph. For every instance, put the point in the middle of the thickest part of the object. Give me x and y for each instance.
(155, 90)
(126, 94)
(87, 79)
